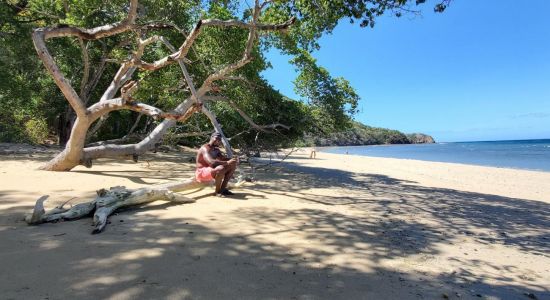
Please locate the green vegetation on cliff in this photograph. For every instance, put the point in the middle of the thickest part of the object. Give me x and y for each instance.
(360, 134)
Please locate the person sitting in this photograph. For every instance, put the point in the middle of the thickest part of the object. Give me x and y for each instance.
(213, 165)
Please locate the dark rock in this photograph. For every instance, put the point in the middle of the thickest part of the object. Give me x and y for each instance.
(420, 138)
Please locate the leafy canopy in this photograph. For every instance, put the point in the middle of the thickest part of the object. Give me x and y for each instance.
(29, 96)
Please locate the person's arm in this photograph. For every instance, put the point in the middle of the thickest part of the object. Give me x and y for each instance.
(222, 157)
(211, 160)
(224, 160)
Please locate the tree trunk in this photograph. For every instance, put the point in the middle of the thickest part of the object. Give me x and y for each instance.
(71, 156)
(75, 153)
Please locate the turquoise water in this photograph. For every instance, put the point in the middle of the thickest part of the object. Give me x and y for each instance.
(518, 154)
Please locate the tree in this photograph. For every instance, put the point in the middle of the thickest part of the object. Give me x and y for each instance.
(75, 152)
(142, 45)
(211, 37)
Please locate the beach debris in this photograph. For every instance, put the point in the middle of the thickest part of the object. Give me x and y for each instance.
(38, 210)
(109, 200)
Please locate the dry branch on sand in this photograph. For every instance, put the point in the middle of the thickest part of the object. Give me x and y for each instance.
(108, 201)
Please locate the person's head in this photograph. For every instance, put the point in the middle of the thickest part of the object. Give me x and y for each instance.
(216, 139)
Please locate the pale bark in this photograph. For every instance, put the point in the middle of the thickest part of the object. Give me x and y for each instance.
(252, 123)
(108, 201)
(75, 153)
(86, 71)
(214, 120)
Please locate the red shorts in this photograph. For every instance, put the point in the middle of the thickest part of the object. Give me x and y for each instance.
(204, 174)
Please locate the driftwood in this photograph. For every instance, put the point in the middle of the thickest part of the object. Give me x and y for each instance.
(108, 201)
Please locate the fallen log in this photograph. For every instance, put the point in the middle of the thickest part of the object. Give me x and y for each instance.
(108, 201)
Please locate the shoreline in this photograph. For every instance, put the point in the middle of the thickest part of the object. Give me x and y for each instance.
(446, 162)
(436, 156)
(498, 180)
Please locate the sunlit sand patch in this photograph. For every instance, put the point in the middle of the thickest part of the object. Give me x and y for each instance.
(165, 241)
(130, 293)
(180, 294)
(140, 254)
(50, 244)
(130, 255)
(104, 280)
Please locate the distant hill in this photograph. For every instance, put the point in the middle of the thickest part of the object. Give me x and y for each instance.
(361, 134)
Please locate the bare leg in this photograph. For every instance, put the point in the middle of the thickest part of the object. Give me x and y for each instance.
(219, 174)
(219, 181)
(228, 176)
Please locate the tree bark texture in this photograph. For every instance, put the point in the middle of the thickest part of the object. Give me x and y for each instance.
(75, 152)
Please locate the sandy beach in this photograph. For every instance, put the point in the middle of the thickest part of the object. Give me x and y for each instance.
(335, 227)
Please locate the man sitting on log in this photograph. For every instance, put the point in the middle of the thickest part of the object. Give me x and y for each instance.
(213, 165)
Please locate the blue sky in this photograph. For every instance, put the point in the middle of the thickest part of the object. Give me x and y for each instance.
(479, 71)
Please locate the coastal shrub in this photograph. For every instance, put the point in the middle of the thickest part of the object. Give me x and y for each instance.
(36, 130)
(10, 131)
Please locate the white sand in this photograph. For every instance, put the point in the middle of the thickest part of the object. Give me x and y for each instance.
(336, 227)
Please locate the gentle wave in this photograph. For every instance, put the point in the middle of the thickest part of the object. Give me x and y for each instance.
(518, 154)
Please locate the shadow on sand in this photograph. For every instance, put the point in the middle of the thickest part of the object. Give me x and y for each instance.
(179, 258)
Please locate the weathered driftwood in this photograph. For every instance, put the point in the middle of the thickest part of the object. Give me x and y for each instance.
(108, 201)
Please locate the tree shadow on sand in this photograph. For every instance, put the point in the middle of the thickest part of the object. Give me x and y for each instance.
(305, 253)
(181, 259)
(521, 223)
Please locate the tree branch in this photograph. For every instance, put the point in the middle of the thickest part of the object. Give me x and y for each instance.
(63, 84)
(214, 120)
(40, 36)
(184, 71)
(252, 123)
(101, 108)
(190, 134)
(97, 32)
(184, 49)
(86, 71)
(75, 153)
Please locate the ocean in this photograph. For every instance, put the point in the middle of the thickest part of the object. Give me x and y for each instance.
(517, 154)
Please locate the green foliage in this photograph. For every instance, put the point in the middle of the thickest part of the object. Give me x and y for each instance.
(36, 130)
(29, 99)
(10, 130)
(332, 98)
(360, 134)
(420, 138)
